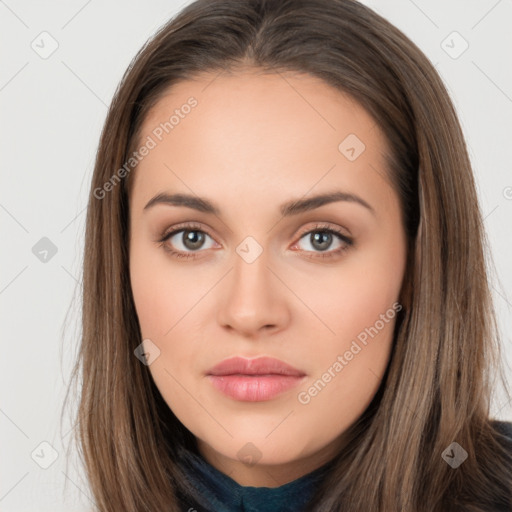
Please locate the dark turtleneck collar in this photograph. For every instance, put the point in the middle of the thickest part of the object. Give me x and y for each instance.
(223, 494)
(220, 493)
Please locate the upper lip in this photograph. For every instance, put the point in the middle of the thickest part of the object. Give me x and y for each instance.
(257, 366)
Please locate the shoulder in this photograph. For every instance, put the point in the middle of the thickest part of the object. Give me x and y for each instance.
(504, 428)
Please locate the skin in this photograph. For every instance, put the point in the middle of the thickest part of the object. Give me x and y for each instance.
(253, 142)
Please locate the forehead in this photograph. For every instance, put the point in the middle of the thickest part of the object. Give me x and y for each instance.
(280, 132)
(263, 100)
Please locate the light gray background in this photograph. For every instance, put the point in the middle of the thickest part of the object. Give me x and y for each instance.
(52, 113)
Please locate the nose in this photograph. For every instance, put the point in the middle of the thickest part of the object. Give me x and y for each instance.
(253, 300)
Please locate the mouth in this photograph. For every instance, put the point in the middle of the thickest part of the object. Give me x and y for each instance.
(254, 380)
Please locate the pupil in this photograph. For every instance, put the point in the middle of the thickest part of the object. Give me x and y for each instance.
(321, 240)
(193, 239)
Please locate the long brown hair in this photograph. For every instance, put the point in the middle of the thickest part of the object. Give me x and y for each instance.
(438, 386)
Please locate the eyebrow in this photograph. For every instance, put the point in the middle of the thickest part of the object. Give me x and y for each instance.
(287, 209)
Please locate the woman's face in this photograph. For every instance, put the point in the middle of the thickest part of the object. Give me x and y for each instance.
(261, 274)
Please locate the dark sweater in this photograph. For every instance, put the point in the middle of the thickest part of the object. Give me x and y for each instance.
(220, 493)
(223, 494)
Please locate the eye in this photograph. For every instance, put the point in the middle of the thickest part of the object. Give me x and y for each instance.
(186, 240)
(182, 242)
(321, 238)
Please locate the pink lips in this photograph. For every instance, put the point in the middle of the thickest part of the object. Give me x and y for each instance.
(254, 380)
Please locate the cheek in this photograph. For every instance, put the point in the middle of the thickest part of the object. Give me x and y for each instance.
(355, 353)
(349, 369)
(162, 293)
(354, 296)
(168, 301)
(359, 304)
(164, 301)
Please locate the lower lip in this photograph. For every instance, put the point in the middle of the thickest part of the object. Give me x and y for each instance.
(255, 388)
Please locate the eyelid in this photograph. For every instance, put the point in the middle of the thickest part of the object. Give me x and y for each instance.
(327, 227)
(191, 226)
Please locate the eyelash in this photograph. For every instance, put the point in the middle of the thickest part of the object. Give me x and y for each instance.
(321, 228)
